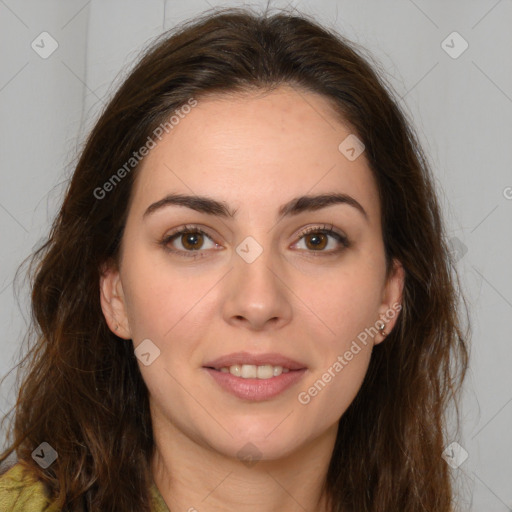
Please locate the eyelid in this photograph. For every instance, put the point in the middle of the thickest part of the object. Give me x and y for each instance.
(327, 228)
(194, 228)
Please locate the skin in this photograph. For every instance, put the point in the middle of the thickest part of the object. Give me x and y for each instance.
(255, 152)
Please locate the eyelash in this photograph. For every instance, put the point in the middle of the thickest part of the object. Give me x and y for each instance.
(191, 229)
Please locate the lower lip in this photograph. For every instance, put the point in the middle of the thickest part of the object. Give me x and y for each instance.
(256, 389)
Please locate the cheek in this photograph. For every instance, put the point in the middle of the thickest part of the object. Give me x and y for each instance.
(170, 307)
(345, 303)
(156, 295)
(346, 307)
(151, 308)
(331, 389)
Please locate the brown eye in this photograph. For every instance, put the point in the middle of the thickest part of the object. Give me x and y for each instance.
(192, 241)
(188, 241)
(316, 241)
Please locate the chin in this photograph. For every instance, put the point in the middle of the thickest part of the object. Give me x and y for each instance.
(262, 444)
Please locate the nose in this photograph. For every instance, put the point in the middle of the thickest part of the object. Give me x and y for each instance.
(258, 295)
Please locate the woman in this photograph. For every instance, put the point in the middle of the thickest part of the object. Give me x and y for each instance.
(247, 300)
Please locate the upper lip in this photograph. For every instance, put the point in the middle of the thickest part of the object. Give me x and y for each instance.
(254, 359)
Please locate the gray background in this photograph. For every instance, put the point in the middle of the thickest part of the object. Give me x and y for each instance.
(461, 107)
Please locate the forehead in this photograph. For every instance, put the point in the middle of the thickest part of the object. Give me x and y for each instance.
(257, 149)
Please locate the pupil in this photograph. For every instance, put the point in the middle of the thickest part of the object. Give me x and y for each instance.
(191, 240)
(319, 240)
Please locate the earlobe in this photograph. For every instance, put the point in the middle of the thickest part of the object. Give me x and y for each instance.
(112, 302)
(391, 302)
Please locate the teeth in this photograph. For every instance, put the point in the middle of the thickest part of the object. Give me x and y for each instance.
(251, 371)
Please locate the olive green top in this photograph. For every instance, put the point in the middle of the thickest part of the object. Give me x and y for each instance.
(20, 491)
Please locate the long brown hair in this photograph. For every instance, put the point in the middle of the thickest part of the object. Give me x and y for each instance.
(83, 392)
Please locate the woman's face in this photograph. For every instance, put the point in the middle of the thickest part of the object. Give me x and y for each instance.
(253, 282)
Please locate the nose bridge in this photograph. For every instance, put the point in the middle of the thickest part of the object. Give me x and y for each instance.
(253, 262)
(256, 293)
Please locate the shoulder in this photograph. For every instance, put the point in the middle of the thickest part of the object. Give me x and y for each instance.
(21, 491)
(157, 502)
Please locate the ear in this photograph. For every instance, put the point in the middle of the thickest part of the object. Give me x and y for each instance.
(113, 302)
(391, 301)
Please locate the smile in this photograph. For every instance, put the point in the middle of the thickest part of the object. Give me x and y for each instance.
(251, 371)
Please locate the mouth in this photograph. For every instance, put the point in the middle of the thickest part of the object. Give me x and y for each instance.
(255, 377)
(255, 366)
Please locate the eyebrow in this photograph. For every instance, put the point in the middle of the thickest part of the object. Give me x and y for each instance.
(296, 206)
